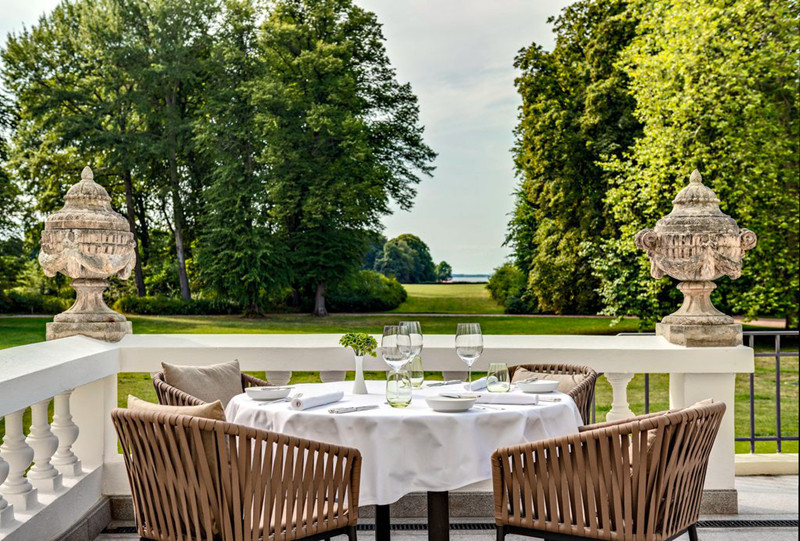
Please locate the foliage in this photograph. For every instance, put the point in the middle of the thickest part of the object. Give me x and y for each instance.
(253, 146)
(366, 291)
(375, 244)
(342, 136)
(172, 306)
(17, 301)
(362, 343)
(716, 88)
(408, 259)
(444, 271)
(507, 285)
(575, 111)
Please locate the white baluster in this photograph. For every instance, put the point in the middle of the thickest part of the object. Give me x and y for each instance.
(6, 510)
(66, 431)
(278, 377)
(620, 408)
(43, 474)
(17, 490)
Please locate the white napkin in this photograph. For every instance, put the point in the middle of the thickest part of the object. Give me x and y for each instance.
(305, 402)
(477, 385)
(508, 398)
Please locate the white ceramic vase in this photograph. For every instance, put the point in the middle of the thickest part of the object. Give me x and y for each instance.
(359, 387)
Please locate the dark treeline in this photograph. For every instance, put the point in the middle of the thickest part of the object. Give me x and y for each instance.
(634, 96)
(253, 148)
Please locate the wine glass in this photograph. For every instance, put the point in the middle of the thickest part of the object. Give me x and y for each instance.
(469, 345)
(415, 334)
(396, 350)
(395, 346)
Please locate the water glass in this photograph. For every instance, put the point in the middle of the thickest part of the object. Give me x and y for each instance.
(497, 379)
(398, 389)
(417, 374)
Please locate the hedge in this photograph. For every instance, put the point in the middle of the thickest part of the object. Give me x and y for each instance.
(169, 306)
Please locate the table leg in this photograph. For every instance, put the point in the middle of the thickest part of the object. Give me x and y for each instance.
(438, 516)
(382, 523)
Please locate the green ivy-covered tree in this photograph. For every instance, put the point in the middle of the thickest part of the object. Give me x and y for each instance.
(716, 88)
(575, 112)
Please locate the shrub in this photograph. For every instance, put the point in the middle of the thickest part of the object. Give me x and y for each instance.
(508, 287)
(23, 302)
(169, 306)
(366, 291)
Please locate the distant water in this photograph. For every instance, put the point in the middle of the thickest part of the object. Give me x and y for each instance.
(470, 277)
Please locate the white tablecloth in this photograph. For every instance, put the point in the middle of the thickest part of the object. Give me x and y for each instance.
(415, 448)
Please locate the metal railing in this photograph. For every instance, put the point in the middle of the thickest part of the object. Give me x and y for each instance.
(778, 353)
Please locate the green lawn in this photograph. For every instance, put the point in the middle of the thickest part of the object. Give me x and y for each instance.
(449, 299)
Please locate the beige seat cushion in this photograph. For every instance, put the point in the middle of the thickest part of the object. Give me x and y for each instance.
(566, 382)
(208, 383)
(212, 410)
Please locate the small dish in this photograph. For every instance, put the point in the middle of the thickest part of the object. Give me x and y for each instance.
(538, 386)
(268, 393)
(450, 405)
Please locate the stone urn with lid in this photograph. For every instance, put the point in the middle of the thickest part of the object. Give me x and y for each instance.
(89, 242)
(697, 243)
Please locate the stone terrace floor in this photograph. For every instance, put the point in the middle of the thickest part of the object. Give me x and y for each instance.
(761, 498)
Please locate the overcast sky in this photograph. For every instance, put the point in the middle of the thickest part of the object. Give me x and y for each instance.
(458, 56)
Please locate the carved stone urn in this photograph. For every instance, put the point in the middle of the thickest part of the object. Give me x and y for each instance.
(89, 242)
(697, 243)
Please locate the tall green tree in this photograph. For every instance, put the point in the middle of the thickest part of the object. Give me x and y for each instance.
(240, 255)
(716, 88)
(343, 136)
(575, 113)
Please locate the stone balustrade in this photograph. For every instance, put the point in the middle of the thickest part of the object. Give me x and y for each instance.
(61, 470)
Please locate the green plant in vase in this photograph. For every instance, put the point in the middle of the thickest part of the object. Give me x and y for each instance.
(361, 344)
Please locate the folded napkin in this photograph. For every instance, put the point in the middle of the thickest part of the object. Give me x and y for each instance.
(477, 385)
(305, 402)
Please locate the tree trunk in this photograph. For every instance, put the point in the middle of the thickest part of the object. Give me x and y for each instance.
(319, 301)
(177, 212)
(141, 213)
(131, 212)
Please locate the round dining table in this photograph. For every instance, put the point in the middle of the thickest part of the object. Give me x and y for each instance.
(411, 449)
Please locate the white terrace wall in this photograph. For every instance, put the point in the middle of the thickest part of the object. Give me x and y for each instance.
(81, 373)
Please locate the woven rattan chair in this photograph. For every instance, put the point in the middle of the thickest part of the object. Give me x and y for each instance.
(582, 393)
(172, 396)
(606, 482)
(200, 479)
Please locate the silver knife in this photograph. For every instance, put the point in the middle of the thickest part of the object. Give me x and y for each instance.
(440, 383)
(352, 409)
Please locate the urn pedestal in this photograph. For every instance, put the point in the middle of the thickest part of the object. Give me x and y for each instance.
(697, 243)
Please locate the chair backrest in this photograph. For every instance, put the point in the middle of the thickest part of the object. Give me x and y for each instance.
(170, 395)
(582, 393)
(200, 479)
(608, 482)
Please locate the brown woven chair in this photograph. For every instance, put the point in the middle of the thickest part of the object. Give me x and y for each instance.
(582, 394)
(606, 482)
(172, 396)
(200, 479)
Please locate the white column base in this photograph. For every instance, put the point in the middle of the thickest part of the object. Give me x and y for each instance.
(620, 409)
(278, 377)
(24, 501)
(6, 516)
(328, 376)
(47, 484)
(70, 470)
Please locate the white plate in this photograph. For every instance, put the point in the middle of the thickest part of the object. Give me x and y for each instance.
(538, 386)
(449, 405)
(268, 393)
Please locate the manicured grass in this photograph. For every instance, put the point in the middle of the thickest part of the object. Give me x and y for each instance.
(449, 299)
